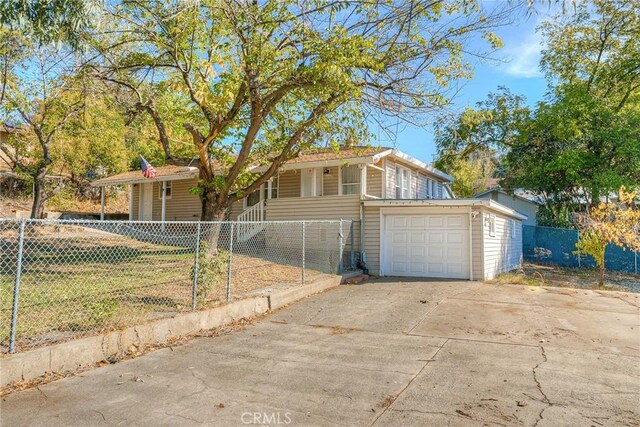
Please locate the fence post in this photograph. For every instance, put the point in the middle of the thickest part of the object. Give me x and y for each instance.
(16, 289)
(195, 270)
(579, 256)
(303, 250)
(230, 264)
(353, 241)
(635, 260)
(340, 266)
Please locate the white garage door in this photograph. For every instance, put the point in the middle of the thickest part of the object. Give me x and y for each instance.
(426, 245)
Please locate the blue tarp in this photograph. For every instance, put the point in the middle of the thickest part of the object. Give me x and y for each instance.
(557, 246)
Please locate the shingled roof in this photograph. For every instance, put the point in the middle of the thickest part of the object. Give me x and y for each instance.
(344, 154)
(165, 173)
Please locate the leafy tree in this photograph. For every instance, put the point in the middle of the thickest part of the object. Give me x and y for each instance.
(576, 148)
(42, 22)
(264, 80)
(489, 128)
(581, 142)
(42, 94)
(471, 175)
(606, 224)
(598, 48)
(50, 21)
(91, 144)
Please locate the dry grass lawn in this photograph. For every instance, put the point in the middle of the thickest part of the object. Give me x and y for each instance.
(78, 281)
(584, 278)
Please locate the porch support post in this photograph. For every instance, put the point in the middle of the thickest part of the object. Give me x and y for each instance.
(164, 199)
(102, 203)
(363, 180)
(130, 202)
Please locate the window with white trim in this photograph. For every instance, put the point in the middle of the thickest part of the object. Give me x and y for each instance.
(272, 185)
(403, 183)
(492, 225)
(167, 192)
(351, 176)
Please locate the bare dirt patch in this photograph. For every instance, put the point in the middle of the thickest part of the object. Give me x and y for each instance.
(552, 275)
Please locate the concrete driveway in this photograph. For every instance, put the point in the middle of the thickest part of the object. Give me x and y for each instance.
(383, 353)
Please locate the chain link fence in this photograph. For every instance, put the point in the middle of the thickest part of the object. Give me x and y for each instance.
(65, 279)
(558, 246)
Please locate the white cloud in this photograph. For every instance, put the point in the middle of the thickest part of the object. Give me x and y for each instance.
(523, 59)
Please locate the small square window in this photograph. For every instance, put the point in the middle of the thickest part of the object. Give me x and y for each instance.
(492, 225)
(168, 190)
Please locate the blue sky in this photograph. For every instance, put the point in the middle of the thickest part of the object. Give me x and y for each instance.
(516, 67)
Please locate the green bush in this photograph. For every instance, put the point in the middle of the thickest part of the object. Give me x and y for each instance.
(212, 268)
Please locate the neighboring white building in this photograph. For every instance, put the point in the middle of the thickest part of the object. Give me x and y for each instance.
(521, 202)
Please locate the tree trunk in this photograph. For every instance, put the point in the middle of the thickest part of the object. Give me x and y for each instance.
(601, 278)
(37, 209)
(595, 196)
(211, 209)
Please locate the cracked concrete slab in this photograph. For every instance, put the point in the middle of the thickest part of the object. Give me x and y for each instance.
(618, 302)
(533, 324)
(383, 353)
(590, 388)
(381, 306)
(320, 376)
(329, 345)
(475, 381)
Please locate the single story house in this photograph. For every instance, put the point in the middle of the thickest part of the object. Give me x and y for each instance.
(411, 224)
(521, 201)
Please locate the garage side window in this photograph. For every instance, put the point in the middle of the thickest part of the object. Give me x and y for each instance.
(513, 229)
(403, 183)
(351, 179)
(492, 225)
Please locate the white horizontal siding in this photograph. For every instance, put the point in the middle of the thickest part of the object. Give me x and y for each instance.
(372, 238)
(502, 253)
(477, 251)
(374, 182)
(314, 208)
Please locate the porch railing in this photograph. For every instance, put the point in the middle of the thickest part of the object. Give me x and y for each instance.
(250, 221)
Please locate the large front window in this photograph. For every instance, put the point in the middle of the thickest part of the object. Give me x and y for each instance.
(403, 183)
(351, 179)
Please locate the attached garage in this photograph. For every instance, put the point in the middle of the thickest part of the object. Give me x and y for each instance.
(445, 239)
(427, 245)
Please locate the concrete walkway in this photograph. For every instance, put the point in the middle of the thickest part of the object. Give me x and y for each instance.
(385, 353)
